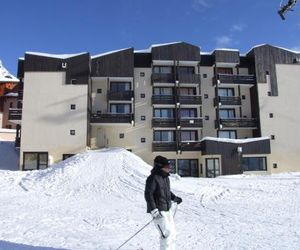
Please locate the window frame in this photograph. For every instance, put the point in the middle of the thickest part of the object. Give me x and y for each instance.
(190, 168)
(255, 157)
(38, 160)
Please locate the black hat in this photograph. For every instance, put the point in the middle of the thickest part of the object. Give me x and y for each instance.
(161, 161)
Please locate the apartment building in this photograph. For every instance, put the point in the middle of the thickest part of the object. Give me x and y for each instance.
(211, 114)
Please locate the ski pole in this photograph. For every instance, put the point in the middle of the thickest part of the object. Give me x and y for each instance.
(135, 234)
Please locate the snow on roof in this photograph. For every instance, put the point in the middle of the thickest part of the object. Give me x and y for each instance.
(108, 53)
(265, 44)
(59, 56)
(148, 50)
(5, 76)
(237, 141)
(143, 50)
(12, 94)
(227, 49)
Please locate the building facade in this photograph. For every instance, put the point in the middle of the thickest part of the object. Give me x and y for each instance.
(211, 114)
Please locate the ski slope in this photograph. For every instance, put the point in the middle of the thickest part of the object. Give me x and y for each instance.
(95, 201)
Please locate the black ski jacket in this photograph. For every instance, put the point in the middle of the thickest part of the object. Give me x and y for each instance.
(157, 192)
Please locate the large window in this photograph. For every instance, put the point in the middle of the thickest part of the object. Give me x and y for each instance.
(188, 167)
(212, 167)
(163, 69)
(254, 163)
(163, 112)
(189, 135)
(120, 86)
(227, 71)
(231, 134)
(164, 136)
(187, 113)
(35, 160)
(186, 70)
(173, 166)
(227, 113)
(226, 91)
(162, 91)
(120, 108)
(186, 91)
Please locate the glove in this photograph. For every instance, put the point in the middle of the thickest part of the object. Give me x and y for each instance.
(178, 200)
(156, 214)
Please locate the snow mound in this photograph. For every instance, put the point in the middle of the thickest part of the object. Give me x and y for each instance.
(5, 76)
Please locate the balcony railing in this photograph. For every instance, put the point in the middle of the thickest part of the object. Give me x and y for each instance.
(163, 99)
(228, 100)
(238, 123)
(236, 79)
(189, 78)
(15, 114)
(164, 146)
(190, 99)
(162, 78)
(191, 122)
(120, 96)
(163, 122)
(191, 146)
(111, 118)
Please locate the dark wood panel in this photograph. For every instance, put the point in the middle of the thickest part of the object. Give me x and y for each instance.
(118, 64)
(227, 56)
(142, 60)
(178, 51)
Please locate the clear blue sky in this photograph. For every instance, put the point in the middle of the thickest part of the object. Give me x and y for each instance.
(71, 26)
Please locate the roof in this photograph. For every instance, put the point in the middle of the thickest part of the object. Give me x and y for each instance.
(109, 52)
(5, 76)
(59, 56)
(278, 47)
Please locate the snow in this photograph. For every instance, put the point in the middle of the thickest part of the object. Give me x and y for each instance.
(235, 140)
(7, 130)
(265, 44)
(59, 56)
(109, 52)
(5, 76)
(12, 94)
(95, 200)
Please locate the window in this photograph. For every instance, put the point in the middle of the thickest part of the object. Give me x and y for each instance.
(204, 75)
(121, 135)
(227, 113)
(143, 118)
(226, 71)
(189, 135)
(143, 95)
(254, 163)
(72, 132)
(164, 136)
(205, 96)
(231, 134)
(162, 91)
(11, 104)
(99, 91)
(188, 167)
(243, 97)
(163, 69)
(173, 166)
(186, 70)
(120, 108)
(226, 91)
(187, 113)
(212, 167)
(120, 86)
(35, 160)
(186, 91)
(8, 126)
(73, 106)
(142, 74)
(163, 112)
(143, 140)
(66, 156)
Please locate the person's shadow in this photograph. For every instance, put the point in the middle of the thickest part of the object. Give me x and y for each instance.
(6, 245)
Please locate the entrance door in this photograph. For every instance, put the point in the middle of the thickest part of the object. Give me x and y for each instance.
(212, 167)
(101, 138)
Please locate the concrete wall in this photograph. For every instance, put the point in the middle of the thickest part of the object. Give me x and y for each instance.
(285, 124)
(48, 118)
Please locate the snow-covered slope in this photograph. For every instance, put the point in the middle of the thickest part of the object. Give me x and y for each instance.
(95, 201)
(5, 76)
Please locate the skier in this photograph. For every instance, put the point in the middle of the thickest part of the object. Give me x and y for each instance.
(158, 197)
(287, 7)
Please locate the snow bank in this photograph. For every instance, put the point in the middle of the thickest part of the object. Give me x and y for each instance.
(95, 200)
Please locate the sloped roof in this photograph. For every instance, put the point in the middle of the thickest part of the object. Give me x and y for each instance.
(5, 76)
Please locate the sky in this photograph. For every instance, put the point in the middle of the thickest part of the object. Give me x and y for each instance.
(96, 26)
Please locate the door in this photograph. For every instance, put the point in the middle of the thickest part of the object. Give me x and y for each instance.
(101, 138)
(212, 167)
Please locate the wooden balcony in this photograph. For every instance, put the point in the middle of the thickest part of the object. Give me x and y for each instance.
(189, 78)
(164, 146)
(236, 79)
(112, 118)
(191, 122)
(163, 122)
(162, 78)
(163, 99)
(15, 115)
(228, 101)
(250, 123)
(190, 99)
(127, 95)
(191, 146)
